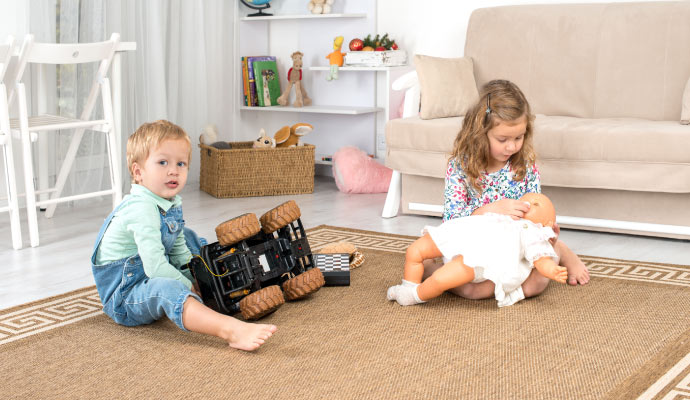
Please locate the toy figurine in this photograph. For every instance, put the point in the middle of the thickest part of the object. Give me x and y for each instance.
(335, 58)
(480, 247)
(295, 78)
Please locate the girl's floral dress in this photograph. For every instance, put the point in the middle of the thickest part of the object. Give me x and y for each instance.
(461, 199)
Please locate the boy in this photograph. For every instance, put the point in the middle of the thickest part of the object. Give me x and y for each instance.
(143, 243)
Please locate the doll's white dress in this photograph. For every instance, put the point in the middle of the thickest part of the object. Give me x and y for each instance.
(499, 249)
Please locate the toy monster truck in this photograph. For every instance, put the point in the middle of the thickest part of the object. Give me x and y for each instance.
(246, 268)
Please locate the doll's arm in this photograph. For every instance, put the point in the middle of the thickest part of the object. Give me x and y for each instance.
(550, 269)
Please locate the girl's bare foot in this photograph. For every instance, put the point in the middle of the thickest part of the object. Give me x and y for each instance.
(246, 336)
(577, 270)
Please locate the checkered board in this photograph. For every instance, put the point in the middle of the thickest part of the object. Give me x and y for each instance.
(335, 268)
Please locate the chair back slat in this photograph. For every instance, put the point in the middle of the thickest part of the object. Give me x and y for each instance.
(6, 51)
(70, 53)
(78, 53)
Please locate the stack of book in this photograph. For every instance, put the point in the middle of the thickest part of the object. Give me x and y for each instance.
(260, 81)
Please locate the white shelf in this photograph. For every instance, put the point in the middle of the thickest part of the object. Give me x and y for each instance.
(302, 16)
(318, 159)
(348, 68)
(346, 110)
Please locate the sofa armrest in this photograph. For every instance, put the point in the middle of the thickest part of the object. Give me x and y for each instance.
(410, 84)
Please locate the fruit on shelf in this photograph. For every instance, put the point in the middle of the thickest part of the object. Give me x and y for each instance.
(367, 48)
(356, 44)
(379, 43)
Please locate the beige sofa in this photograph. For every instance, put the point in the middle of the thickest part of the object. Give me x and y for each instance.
(606, 83)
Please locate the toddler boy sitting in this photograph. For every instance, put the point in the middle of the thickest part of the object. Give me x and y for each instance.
(143, 243)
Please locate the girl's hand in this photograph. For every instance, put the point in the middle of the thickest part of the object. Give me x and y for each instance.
(557, 231)
(515, 209)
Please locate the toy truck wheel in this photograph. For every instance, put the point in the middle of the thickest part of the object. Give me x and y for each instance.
(280, 216)
(265, 301)
(303, 284)
(237, 229)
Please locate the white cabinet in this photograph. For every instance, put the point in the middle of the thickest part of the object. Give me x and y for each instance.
(351, 110)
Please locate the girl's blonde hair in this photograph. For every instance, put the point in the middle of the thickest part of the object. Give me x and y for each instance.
(148, 137)
(499, 101)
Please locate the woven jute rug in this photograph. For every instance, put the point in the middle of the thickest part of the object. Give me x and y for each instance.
(624, 335)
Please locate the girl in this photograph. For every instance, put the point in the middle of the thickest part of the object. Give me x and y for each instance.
(492, 166)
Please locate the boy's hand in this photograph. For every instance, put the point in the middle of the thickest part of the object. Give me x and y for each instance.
(515, 209)
(195, 289)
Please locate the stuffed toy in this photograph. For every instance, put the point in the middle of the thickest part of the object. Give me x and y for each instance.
(295, 79)
(209, 137)
(356, 172)
(320, 6)
(263, 141)
(335, 59)
(483, 247)
(289, 136)
(356, 257)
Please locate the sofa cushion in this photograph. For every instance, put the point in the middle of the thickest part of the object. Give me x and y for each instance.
(622, 154)
(593, 60)
(613, 153)
(421, 147)
(446, 85)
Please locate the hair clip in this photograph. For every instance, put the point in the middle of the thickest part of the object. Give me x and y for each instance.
(488, 100)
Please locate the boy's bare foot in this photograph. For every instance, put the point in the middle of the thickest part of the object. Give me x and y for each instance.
(247, 336)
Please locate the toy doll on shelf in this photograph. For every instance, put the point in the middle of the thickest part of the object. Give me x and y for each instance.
(480, 247)
(336, 58)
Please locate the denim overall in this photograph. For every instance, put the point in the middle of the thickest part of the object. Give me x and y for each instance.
(130, 297)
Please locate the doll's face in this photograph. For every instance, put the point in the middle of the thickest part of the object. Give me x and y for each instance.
(541, 210)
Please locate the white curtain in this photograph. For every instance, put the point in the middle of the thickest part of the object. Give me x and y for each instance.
(182, 67)
(180, 71)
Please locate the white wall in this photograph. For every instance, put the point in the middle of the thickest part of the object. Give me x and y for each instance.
(437, 27)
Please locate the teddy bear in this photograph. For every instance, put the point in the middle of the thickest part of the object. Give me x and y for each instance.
(263, 141)
(289, 136)
(320, 6)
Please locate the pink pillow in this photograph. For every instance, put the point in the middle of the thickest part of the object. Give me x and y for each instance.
(356, 172)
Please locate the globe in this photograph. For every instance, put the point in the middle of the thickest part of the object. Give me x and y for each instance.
(257, 5)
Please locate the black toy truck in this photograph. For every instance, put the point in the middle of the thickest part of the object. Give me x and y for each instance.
(256, 264)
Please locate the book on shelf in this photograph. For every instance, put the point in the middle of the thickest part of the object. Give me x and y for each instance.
(245, 81)
(253, 101)
(267, 82)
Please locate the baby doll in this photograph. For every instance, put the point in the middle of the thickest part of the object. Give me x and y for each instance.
(480, 247)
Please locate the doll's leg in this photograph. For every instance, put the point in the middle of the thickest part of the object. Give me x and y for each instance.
(472, 290)
(451, 275)
(421, 249)
(577, 270)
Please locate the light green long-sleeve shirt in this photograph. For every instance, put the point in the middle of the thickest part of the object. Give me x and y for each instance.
(136, 229)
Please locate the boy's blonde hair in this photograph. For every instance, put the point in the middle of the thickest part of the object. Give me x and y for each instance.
(499, 101)
(147, 137)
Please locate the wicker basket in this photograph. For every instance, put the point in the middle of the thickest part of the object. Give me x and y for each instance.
(243, 171)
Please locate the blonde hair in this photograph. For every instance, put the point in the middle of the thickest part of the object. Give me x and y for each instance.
(148, 136)
(499, 101)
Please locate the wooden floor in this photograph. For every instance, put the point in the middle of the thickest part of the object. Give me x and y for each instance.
(61, 263)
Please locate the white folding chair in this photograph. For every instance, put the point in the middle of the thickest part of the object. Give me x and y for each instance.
(6, 52)
(29, 126)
